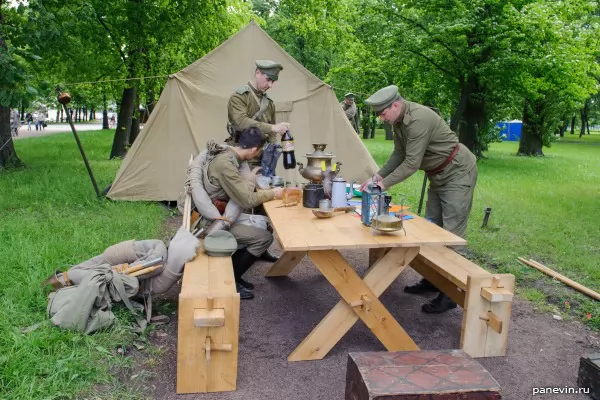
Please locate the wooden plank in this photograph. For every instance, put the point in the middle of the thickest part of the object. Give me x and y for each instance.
(341, 317)
(298, 229)
(208, 283)
(478, 339)
(496, 295)
(449, 264)
(448, 287)
(286, 263)
(550, 272)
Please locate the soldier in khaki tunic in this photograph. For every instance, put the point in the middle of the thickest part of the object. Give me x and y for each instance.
(349, 108)
(250, 106)
(422, 140)
(226, 183)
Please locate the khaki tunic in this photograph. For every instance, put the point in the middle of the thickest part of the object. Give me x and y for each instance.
(223, 172)
(243, 105)
(350, 110)
(423, 140)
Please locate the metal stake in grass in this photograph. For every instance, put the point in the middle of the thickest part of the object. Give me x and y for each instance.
(64, 99)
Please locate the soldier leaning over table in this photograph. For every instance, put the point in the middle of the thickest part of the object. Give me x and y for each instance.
(227, 183)
(423, 140)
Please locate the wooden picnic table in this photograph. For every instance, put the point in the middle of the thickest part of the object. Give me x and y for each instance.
(300, 233)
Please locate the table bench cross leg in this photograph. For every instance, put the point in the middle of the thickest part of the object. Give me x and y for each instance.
(286, 263)
(363, 294)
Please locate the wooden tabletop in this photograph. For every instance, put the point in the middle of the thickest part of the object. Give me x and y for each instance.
(299, 230)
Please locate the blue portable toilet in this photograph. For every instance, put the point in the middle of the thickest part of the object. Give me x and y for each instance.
(510, 130)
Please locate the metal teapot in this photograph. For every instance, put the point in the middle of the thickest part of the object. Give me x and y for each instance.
(339, 196)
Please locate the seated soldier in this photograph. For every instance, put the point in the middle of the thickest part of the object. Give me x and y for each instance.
(224, 177)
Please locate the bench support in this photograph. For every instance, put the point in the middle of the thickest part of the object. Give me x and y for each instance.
(208, 330)
(486, 338)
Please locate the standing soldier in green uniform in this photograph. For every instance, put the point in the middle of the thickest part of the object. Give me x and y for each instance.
(250, 106)
(349, 108)
(423, 140)
(224, 182)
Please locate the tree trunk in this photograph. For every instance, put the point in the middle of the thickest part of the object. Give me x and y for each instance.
(366, 124)
(8, 154)
(389, 132)
(473, 117)
(357, 120)
(121, 139)
(584, 118)
(563, 127)
(135, 121)
(573, 125)
(531, 135)
(104, 113)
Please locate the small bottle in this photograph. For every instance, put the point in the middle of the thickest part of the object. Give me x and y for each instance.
(289, 157)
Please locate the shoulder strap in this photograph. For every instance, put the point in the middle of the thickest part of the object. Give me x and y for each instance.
(264, 103)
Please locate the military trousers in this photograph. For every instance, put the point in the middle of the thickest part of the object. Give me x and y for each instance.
(449, 204)
(255, 240)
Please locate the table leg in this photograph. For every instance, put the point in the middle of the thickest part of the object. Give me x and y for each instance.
(375, 254)
(286, 263)
(342, 317)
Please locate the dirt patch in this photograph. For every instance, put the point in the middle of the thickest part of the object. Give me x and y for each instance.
(542, 352)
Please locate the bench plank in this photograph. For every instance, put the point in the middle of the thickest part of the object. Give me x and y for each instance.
(486, 298)
(208, 289)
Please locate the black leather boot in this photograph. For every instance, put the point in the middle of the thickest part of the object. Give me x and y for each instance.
(440, 304)
(242, 261)
(422, 287)
(268, 256)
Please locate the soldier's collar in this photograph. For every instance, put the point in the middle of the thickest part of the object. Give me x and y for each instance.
(402, 112)
(234, 154)
(255, 90)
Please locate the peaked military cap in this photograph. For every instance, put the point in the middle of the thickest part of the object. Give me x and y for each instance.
(269, 68)
(220, 244)
(349, 96)
(383, 98)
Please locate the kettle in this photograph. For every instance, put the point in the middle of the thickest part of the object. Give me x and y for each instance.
(339, 197)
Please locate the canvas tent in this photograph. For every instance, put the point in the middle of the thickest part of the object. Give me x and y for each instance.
(192, 109)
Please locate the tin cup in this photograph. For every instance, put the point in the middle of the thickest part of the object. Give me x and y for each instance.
(325, 205)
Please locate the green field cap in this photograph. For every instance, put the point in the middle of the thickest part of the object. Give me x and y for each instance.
(269, 68)
(220, 244)
(383, 98)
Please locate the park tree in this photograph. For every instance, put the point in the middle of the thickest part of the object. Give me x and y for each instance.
(556, 41)
(14, 78)
(136, 41)
(315, 32)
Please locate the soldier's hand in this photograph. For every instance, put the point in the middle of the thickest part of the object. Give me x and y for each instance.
(281, 127)
(366, 183)
(278, 192)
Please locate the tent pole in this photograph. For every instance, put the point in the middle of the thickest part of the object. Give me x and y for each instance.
(64, 100)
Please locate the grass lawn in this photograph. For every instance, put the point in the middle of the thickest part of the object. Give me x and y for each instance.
(545, 208)
(51, 219)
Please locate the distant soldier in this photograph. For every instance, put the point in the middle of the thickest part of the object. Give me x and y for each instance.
(349, 108)
(423, 140)
(250, 106)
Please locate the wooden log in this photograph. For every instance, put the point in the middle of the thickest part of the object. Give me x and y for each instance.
(577, 286)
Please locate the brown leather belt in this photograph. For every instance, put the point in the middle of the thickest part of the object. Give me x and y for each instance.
(448, 160)
(220, 205)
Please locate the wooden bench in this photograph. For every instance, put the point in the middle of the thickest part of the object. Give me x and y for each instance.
(486, 298)
(209, 322)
